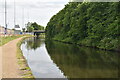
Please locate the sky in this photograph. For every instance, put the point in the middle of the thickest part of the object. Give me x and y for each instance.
(39, 11)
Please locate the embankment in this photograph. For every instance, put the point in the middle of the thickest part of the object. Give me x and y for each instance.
(94, 24)
(23, 66)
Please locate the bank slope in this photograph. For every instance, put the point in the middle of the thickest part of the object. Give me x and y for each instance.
(93, 24)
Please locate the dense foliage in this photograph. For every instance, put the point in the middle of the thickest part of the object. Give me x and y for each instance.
(90, 23)
(34, 26)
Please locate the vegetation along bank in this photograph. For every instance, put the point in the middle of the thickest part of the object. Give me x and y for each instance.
(23, 66)
(6, 39)
(93, 24)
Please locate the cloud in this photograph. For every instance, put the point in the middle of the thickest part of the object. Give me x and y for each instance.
(40, 11)
(38, 4)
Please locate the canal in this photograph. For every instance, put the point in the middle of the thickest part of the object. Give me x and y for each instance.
(52, 59)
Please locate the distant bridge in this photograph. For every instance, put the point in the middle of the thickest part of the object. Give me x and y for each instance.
(38, 32)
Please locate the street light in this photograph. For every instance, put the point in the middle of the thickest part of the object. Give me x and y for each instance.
(5, 17)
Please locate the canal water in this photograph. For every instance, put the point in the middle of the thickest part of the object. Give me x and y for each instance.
(52, 59)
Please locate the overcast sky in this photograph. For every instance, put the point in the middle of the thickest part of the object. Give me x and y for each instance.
(39, 11)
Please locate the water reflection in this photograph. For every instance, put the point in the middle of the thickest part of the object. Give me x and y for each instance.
(82, 62)
(54, 60)
(33, 43)
(38, 59)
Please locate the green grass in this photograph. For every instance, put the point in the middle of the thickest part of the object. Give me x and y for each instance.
(23, 66)
(4, 40)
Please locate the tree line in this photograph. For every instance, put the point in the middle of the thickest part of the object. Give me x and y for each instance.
(93, 24)
(31, 26)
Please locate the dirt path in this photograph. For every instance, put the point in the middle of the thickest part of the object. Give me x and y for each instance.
(10, 68)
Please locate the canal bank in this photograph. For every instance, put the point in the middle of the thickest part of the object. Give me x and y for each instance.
(74, 43)
(23, 66)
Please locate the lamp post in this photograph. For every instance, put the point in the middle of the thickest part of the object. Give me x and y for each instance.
(5, 17)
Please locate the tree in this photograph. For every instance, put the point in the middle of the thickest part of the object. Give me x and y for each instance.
(34, 26)
(30, 29)
(87, 23)
(23, 29)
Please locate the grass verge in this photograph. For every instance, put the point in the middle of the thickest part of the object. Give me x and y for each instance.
(6, 39)
(23, 66)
